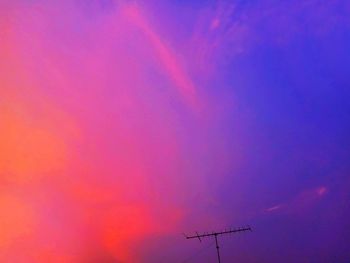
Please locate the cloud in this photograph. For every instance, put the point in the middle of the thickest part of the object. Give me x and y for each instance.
(167, 57)
(230, 29)
(300, 203)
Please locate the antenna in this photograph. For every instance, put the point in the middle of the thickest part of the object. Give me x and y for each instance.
(216, 234)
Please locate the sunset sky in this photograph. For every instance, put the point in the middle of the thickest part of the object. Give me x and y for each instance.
(124, 124)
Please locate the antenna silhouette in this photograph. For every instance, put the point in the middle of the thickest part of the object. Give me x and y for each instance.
(216, 234)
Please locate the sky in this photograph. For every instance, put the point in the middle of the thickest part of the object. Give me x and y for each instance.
(124, 124)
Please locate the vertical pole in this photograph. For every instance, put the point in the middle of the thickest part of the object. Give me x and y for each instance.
(217, 247)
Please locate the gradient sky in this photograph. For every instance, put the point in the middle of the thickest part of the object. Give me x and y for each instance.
(124, 124)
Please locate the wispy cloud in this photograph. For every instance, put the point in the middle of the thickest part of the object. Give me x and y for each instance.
(303, 201)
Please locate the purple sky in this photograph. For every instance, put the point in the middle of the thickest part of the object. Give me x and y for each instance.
(124, 124)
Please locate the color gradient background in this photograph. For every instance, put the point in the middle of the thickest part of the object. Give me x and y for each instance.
(125, 123)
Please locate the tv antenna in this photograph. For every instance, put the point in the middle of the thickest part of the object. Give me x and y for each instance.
(216, 234)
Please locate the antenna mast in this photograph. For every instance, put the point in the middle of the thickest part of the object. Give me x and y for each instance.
(216, 234)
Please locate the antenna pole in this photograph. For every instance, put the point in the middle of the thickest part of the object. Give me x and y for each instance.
(217, 247)
(216, 234)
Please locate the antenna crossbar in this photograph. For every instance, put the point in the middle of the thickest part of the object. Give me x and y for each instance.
(216, 234)
(240, 229)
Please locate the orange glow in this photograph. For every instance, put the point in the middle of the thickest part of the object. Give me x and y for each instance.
(28, 149)
(122, 227)
(16, 220)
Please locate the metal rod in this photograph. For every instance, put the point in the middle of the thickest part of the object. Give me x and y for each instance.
(216, 234)
(217, 247)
